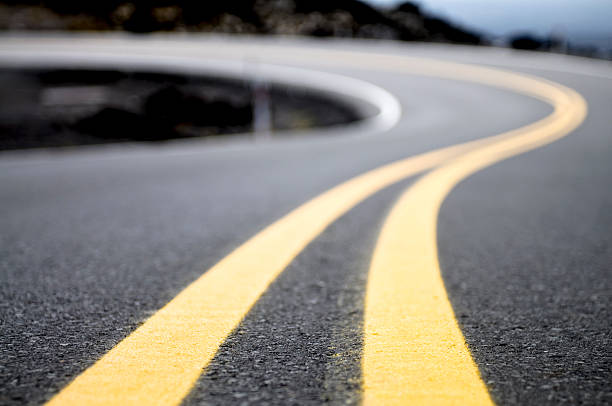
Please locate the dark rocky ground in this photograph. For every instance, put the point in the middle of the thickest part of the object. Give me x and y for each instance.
(338, 18)
(318, 18)
(48, 108)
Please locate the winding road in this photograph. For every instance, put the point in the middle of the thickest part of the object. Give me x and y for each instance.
(454, 247)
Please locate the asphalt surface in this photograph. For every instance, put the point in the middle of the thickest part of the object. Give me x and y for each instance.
(94, 240)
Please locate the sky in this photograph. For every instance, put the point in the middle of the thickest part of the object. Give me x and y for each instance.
(582, 21)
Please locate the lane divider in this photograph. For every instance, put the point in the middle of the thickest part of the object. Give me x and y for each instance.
(414, 351)
(159, 362)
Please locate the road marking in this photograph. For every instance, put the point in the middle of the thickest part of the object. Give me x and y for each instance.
(414, 351)
(389, 108)
(161, 360)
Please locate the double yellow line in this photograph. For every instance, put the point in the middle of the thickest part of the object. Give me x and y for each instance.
(414, 350)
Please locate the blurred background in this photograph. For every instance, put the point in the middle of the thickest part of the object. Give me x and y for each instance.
(50, 108)
(581, 27)
(567, 26)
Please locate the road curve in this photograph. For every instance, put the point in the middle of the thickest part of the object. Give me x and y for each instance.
(259, 255)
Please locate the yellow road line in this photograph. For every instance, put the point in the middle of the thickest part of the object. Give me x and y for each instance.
(414, 351)
(161, 360)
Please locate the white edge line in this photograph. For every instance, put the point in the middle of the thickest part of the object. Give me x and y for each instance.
(388, 106)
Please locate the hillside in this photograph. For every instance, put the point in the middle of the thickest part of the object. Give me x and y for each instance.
(329, 18)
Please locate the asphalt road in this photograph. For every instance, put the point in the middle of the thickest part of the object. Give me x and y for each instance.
(95, 240)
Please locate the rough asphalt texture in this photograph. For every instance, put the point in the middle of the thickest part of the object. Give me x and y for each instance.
(526, 248)
(95, 240)
(301, 343)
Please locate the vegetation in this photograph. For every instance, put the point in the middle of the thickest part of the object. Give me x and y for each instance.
(323, 18)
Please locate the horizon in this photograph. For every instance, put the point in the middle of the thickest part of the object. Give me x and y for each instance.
(584, 23)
